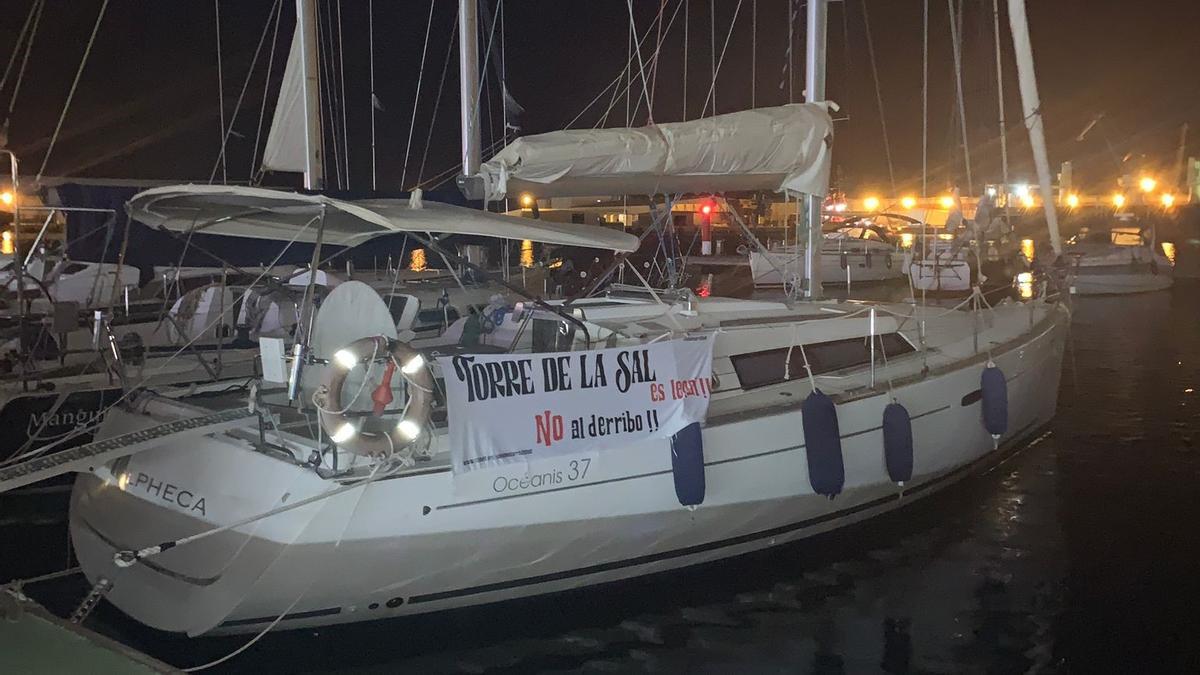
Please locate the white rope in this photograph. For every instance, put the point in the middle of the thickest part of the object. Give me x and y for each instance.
(412, 124)
(71, 94)
(227, 131)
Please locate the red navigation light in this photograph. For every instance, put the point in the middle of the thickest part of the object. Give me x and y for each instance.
(706, 209)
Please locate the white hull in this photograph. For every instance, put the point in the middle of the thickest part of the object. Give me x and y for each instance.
(1105, 282)
(418, 543)
(882, 265)
(940, 277)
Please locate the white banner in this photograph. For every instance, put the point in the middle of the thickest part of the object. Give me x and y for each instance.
(523, 407)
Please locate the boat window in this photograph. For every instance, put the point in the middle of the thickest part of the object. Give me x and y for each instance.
(1126, 238)
(73, 268)
(434, 316)
(396, 305)
(759, 369)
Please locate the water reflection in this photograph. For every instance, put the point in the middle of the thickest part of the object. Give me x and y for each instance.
(526, 253)
(416, 262)
(1169, 251)
(1027, 249)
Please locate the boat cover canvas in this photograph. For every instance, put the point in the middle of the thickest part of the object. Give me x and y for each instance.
(261, 213)
(784, 149)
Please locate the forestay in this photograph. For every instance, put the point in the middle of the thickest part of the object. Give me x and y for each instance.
(515, 408)
(783, 149)
(260, 213)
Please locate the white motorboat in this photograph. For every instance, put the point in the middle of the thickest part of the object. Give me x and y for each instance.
(1121, 259)
(852, 254)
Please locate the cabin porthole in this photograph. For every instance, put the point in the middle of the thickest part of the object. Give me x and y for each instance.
(373, 605)
(425, 510)
(395, 602)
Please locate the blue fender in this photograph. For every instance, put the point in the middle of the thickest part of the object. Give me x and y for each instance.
(823, 444)
(898, 442)
(687, 464)
(995, 400)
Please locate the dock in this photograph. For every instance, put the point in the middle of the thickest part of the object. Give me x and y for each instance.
(32, 640)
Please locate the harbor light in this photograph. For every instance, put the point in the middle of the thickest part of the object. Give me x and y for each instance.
(871, 203)
(1168, 200)
(526, 200)
(345, 358)
(1027, 201)
(1118, 200)
(908, 202)
(947, 202)
(1021, 191)
(1072, 201)
(6, 197)
(408, 429)
(1147, 184)
(6, 243)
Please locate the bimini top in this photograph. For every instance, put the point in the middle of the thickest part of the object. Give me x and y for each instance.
(260, 213)
(785, 149)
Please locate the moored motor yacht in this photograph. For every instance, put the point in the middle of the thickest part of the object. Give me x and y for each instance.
(1124, 258)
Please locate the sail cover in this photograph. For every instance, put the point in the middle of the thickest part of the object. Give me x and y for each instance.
(260, 213)
(785, 148)
(285, 142)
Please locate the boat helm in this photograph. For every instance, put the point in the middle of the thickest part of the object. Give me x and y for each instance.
(370, 434)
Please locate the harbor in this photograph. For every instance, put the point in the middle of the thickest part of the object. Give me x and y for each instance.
(717, 376)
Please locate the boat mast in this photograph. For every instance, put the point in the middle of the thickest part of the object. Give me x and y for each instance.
(468, 76)
(1032, 106)
(814, 92)
(306, 18)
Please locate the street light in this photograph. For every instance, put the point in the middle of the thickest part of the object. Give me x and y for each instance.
(1118, 200)
(1168, 200)
(1148, 184)
(871, 203)
(908, 202)
(1072, 201)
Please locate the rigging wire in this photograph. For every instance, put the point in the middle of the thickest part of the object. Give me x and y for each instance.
(955, 37)
(417, 97)
(241, 95)
(662, 5)
(12, 102)
(753, 53)
(262, 110)
(887, 146)
(925, 103)
(71, 94)
(33, 7)
(617, 80)
(325, 39)
(637, 47)
(685, 61)
(220, 92)
(371, 74)
(438, 100)
(341, 56)
(712, 90)
(712, 54)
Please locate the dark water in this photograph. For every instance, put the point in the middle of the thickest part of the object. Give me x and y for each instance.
(1080, 554)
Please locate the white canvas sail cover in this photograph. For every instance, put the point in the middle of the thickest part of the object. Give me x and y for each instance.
(785, 148)
(260, 213)
(285, 142)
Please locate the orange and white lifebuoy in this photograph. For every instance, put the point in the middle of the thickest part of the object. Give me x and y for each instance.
(348, 431)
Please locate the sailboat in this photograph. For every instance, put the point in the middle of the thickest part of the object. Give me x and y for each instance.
(601, 438)
(1122, 258)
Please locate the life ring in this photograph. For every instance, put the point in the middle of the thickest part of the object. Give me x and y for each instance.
(347, 431)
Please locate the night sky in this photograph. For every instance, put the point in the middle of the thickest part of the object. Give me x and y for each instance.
(147, 102)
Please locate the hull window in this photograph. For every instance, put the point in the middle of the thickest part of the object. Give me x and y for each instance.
(759, 369)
